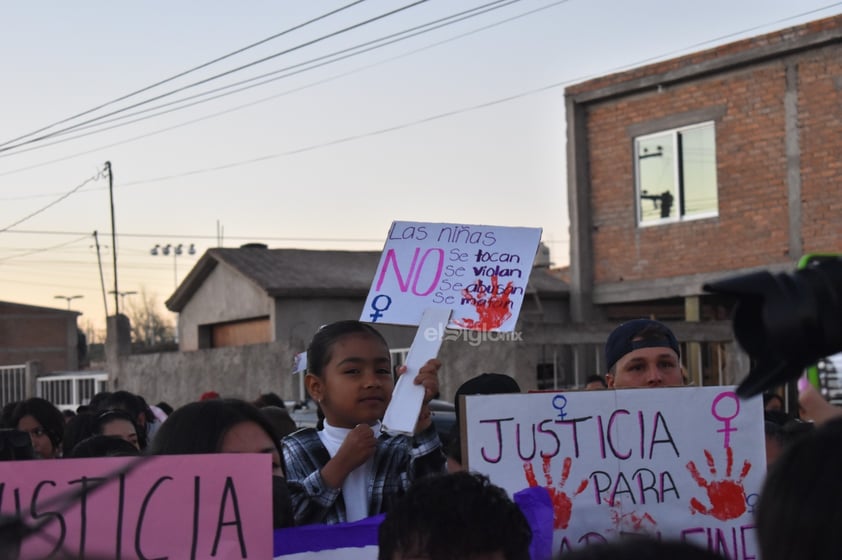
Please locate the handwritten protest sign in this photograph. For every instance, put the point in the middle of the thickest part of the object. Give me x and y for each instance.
(480, 272)
(685, 463)
(176, 506)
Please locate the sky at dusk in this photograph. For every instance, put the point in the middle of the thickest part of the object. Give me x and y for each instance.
(278, 122)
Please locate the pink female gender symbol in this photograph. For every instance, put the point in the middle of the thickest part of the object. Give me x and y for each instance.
(726, 419)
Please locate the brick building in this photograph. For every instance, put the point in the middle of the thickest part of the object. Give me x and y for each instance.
(29, 333)
(717, 163)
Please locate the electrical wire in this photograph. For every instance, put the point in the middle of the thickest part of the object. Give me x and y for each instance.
(45, 249)
(276, 96)
(186, 72)
(12, 146)
(97, 127)
(100, 174)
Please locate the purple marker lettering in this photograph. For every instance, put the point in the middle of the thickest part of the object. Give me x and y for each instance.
(726, 419)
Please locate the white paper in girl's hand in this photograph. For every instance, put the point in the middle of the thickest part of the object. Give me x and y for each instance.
(407, 398)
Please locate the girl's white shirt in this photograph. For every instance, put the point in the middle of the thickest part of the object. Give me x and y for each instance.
(355, 489)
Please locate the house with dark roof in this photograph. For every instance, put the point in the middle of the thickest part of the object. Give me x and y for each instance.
(253, 295)
(244, 313)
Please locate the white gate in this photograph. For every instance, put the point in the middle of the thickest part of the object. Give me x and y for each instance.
(69, 390)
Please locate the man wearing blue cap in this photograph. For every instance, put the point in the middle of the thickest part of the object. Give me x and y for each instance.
(643, 353)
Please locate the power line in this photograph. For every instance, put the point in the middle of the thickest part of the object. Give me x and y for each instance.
(185, 72)
(97, 127)
(429, 118)
(96, 177)
(45, 249)
(12, 146)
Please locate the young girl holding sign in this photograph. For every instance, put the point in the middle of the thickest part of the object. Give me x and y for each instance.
(349, 470)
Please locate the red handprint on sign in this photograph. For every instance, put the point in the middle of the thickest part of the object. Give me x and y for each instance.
(492, 304)
(562, 503)
(727, 497)
(632, 522)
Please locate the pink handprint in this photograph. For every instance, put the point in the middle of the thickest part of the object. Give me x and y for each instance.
(562, 503)
(727, 497)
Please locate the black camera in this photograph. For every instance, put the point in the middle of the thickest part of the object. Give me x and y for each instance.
(15, 445)
(786, 322)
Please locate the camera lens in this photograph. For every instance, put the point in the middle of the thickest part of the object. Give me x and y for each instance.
(785, 322)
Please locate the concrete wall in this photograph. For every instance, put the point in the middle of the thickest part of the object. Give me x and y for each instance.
(298, 319)
(247, 371)
(181, 377)
(223, 296)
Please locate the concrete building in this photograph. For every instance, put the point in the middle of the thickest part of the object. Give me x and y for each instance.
(245, 313)
(718, 163)
(30, 333)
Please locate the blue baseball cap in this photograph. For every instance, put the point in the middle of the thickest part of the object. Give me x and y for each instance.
(621, 341)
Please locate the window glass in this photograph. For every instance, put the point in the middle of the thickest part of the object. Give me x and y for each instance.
(656, 164)
(699, 156)
(676, 175)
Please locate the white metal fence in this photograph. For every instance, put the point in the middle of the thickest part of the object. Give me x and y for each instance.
(14, 383)
(69, 390)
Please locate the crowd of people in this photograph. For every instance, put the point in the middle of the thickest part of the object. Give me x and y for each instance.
(347, 469)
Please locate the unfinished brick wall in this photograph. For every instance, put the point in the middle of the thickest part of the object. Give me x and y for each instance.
(753, 225)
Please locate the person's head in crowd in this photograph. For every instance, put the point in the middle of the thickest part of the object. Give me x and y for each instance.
(794, 429)
(165, 407)
(217, 426)
(209, 395)
(774, 441)
(79, 427)
(269, 399)
(118, 423)
(799, 508)
(643, 548)
(226, 426)
(457, 516)
(131, 403)
(44, 423)
(281, 421)
(773, 401)
(595, 382)
(777, 416)
(68, 415)
(337, 354)
(6, 415)
(84, 408)
(97, 399)
(103, 446)
(643, 353)
(482, 384)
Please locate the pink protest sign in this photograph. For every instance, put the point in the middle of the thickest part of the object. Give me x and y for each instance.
(177, 506)
(685, 463)
(479, 272)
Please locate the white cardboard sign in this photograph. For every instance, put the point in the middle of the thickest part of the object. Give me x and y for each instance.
(480, 272)
(685, 463)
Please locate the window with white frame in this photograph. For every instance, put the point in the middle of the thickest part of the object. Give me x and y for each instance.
(676, 175)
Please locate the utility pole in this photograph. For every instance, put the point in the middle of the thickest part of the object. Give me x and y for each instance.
(113, 236)
(101, 276)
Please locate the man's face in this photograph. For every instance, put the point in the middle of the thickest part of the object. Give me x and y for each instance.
(647, 367)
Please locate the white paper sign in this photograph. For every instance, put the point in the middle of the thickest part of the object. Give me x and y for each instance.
(480, 272)
(684, 463)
